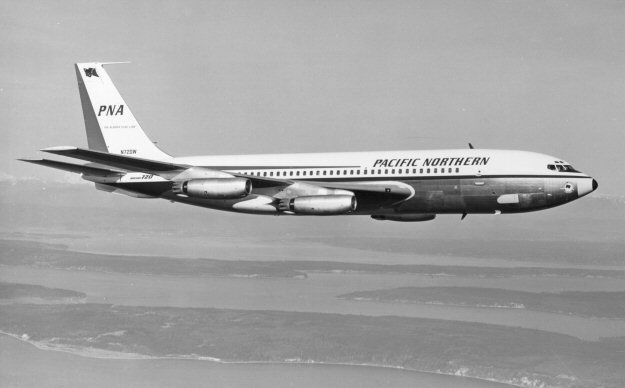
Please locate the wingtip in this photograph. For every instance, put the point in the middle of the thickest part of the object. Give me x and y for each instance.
(99, 63)
(113, 63)
(58, 149)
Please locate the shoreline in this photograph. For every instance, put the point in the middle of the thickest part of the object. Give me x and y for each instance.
(101, 354)
(483, 307)
(476, 261)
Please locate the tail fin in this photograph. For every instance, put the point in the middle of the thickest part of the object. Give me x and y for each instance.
(111, 127)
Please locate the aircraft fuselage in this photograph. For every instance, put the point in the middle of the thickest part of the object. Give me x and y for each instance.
(442, 181)
(412, 185)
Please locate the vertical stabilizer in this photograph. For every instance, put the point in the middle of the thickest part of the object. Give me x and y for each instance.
(111, 127)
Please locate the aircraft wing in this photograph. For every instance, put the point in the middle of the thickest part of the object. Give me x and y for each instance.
(115, 160)
(389, 189)
(259, 182)
(77, 168)
(381, 192)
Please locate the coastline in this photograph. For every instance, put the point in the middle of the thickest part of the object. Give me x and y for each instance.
(95, 353)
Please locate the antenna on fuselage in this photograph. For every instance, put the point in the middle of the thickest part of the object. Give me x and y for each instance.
(471, 146)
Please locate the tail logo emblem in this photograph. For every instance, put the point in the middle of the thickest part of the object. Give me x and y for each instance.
(111, 110)
(90, 72)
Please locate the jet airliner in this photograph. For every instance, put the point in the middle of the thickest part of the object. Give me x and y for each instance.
(386, 185)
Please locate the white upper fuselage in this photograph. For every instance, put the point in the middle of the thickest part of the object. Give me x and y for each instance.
(386, 164)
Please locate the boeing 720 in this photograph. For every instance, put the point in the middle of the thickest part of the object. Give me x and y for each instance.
(386, 185)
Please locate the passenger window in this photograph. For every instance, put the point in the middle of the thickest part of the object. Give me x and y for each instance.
(393, 171)
(304, 173)
(297, 173)
(351, 172)
(344, 172)
(379, 171)
(386, 171)
(265, 173)
(324, 173)
(271, 173)
(435, 170)
(291, 173)
(317, 173)
(420, 171)
(331, 172)
(449, 170)
(399, 171)
(428, 171)
(457, 169)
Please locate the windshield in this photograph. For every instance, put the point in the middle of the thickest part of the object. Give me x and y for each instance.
(561, 167)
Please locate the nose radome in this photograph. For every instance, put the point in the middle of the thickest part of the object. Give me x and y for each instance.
(586, 186)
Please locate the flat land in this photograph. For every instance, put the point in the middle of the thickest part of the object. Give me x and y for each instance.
(287, 311)
(24, 365)
(17, 252)
(19, 291)
(589, 304)
(504, 353)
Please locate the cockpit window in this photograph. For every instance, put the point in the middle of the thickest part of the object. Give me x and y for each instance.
(561, 167)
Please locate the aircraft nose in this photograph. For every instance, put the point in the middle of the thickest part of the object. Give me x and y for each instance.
(586, 186)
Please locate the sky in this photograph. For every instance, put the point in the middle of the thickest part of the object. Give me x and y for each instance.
(227, 77)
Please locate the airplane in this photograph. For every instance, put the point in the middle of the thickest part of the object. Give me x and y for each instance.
(386, 185)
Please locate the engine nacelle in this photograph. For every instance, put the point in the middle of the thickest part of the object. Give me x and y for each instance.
(215, 188)
(322, 204)
(404, 217)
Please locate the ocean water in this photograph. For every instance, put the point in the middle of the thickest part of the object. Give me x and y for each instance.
(318, 293)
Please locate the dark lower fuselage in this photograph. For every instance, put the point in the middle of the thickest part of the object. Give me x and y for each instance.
(448, 195)
(488, 194)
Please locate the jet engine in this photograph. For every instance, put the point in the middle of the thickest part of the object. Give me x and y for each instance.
(214, 188)
(404, 217)
(320, 204)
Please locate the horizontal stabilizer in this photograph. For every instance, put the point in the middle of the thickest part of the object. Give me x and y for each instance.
(114, 160)
(77, 168)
